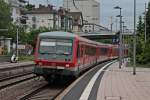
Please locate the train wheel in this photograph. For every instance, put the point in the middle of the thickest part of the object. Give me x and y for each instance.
(49, 78)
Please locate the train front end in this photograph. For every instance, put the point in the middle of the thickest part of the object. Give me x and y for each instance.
(55, 55)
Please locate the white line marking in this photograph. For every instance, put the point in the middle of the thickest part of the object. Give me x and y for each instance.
(87, 90)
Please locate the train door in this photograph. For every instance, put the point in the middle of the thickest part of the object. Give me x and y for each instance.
(80, 53)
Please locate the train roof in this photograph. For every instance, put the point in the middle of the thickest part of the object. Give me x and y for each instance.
(57, 34)
(70, 35)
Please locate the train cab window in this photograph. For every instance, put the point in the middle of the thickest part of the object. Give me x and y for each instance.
(56, 49)
(55, 46)
(64, 46)
(47, 46)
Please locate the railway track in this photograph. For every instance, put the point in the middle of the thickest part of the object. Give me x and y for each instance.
(8, 71)
(14, 76)
(8, 67)
(8, 82)
(11, 74)
(44, 93)
(47, 92)
(35, 90)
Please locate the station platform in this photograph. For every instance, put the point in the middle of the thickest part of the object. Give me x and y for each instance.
(11, 65)
(121, 84)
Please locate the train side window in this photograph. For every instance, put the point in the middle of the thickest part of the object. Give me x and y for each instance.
(103, 51)
(78, 51)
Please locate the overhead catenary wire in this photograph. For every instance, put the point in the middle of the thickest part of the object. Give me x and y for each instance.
(74, 4)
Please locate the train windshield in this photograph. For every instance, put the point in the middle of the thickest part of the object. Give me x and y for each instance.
(58, 49)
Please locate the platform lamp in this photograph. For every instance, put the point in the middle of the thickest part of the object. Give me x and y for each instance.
(120, 36)
(134, 41)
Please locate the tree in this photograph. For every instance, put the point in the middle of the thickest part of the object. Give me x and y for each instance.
(32, 35)
(29, 7)
(5, 16)
(140, 36)
(148, 22)
(143, 49)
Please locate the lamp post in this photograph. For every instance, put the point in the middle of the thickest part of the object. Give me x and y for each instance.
(17, 37)
(111, 23)
(120, 37)
(134, 41)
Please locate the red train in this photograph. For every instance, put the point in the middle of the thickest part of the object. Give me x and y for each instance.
(67, 54)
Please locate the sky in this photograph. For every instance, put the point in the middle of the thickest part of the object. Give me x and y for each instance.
(107, 10)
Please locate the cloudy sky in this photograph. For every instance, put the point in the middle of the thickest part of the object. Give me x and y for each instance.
(107, 10)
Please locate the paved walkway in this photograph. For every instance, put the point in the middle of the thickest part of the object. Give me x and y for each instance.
(121, 84)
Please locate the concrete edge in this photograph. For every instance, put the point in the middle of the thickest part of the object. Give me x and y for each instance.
(60, 97)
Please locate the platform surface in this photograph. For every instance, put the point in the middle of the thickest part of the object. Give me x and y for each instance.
(121, 84)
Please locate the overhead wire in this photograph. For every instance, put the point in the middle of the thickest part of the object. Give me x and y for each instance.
(74, 4)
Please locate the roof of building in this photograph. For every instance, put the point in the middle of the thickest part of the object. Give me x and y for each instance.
(42, 10)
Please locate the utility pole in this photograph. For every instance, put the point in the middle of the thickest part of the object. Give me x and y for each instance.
(17, 43)
(67, 5)
(116, 24)
(111, 23)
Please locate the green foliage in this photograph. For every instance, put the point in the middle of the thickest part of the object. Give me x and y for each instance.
(148, 23)
(32, 35)
(29, 7)
(5, 16)
(26, 58)
(143, 49)
(140, 37)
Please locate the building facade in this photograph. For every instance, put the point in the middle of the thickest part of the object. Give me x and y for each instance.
(53, 19)
(90, 9)
(40, 17)
(16, 7)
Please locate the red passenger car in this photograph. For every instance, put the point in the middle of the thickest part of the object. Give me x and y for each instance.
(67, 54)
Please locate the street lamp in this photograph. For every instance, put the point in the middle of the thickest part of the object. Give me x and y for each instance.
(120, 37)
(134, 41)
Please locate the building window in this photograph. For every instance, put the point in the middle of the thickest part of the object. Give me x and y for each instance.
(34, 19)
(42, 20)
(86, 31)
(94, 5)
(34, 26)
(94, 18)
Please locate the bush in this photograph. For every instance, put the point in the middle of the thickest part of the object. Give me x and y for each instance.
(26, 58)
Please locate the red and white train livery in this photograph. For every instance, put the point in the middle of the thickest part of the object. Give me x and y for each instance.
(67, 54)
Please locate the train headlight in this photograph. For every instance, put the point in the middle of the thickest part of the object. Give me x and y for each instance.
(40, 63)
(67, 65)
